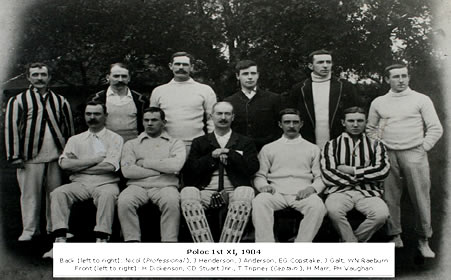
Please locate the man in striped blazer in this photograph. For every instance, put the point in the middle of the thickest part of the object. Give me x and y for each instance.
(353, 168)
(37, 124)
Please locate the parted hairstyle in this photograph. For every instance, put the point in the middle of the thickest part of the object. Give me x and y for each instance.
(155, 110)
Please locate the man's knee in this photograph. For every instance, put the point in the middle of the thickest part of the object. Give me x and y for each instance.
(334, 207)
(190, 194)
(243, 193)
(316, 205)
(170, 197)
(261, 199)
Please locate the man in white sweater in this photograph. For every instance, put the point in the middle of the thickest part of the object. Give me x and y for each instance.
(408, 125)
(289, 176)
(187, 103)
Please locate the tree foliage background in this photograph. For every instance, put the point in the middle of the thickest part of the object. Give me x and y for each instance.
(80, 38)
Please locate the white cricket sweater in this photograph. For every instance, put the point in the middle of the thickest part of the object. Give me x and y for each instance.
(185, 104)
(404, 120)
(289, 166)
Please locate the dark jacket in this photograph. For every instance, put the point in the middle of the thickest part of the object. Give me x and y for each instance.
(141, 102)
(258, 117)
(342, 95)
(240, 169)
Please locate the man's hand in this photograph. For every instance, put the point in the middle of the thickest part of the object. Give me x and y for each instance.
(305, 193)
(268, 188)
(346, 169)
(221, 154)
(18, 163)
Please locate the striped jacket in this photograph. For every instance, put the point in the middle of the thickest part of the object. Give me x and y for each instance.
(26, 116)
(369, 157)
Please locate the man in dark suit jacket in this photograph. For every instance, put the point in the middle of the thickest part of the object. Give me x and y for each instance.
(256, 110)
(125, 106)
(321, 100)
(219, 169)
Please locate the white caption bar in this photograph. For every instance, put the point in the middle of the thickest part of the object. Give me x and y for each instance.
(223, 260)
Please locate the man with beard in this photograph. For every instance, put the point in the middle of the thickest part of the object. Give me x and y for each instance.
(289, 176)
(222, 164)
(37, 125)
(256, 110)
(93, 158)
(187, 103)
(125, 106)
(151, 163)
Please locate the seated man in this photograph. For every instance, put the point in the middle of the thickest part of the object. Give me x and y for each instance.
(221, 165)
(93, 159)
(354, 167)
(289, 176)
(151, 163)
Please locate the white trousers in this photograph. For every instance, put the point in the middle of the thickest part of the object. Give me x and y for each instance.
(33, 179)
(166, 198)
(104, 197)
(264, 205)
(374, 208)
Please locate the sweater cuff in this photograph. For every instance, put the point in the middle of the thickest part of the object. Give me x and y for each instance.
(427, 147)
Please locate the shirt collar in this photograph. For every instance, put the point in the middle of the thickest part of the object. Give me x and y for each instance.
(164, 135)
(298, 139)
(227, 135)
(110, 92)
(190, 80)
(100, 134)
(346, 135)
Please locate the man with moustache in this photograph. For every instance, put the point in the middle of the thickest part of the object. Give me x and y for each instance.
(93, 158)
(256, 110)
(321, 100)
(125, 106)
(222, 164)
(406, 122)
(354, 167)
(289, 176)
(37, 124)
(187, 103)
(151, 163)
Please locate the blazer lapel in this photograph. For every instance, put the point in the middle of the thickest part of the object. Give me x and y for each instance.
(212, 140)
(232, 140)
(308, 100)
(334, 99)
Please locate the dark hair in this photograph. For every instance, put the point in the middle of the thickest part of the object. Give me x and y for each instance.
(354, 109)
(393, 66)
(97, 103)
(36, 65)
(217, 103)
(318, 52)
(290, 111)
(190, 56)
(120, 64)
(244, 64)
(155, 110)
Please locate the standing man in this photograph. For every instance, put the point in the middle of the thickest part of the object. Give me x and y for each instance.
(125, 106)
(321, 100)
(37, 124)
(151, 163)
(222, 164)
(93, 159)
(354, 167)
(187, 103)
(256, 111)
(289, 176)
(406, 122)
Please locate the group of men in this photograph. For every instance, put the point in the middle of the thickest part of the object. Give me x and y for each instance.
(252, 154)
